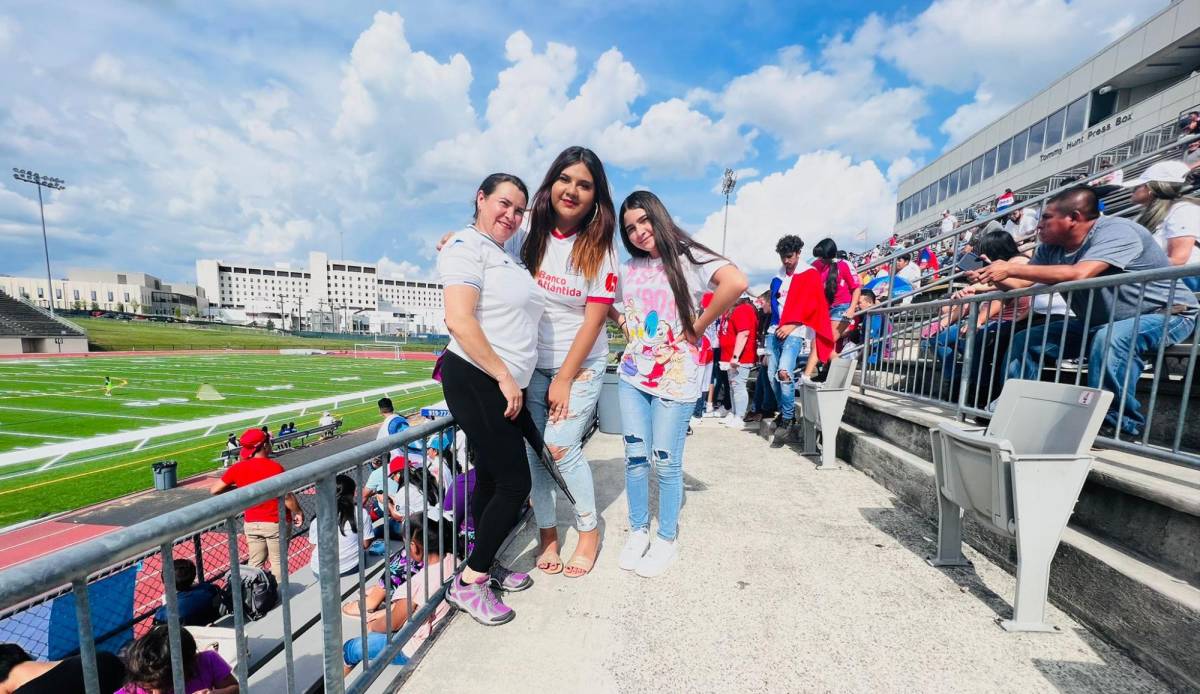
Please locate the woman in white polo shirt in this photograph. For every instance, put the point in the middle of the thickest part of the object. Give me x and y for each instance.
(492, 311)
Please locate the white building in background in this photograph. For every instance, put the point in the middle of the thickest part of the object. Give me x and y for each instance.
(328, 295)
(1122, 102)
(108, 290)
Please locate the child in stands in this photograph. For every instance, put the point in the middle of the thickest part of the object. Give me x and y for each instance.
(149, 664)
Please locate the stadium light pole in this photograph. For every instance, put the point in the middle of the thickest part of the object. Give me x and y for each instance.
(39, 181)
(728, 181)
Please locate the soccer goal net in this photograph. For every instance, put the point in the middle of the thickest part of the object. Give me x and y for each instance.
(376, 350)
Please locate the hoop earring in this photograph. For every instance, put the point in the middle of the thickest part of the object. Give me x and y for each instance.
(595, 212)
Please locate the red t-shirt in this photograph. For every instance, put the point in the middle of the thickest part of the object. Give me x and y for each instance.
(246, 472)
(743, 317)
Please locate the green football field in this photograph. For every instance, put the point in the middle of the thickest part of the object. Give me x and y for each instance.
(56, 401)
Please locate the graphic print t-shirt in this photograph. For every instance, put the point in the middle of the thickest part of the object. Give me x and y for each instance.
(566, 292)
(658, 359)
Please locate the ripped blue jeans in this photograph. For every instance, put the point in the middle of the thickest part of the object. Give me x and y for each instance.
(655, 430)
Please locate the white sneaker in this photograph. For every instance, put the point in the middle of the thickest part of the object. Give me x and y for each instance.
(658, 558)
(733, 421)
(635, 547)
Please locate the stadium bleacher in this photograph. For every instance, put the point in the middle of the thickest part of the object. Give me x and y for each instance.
(27, 328)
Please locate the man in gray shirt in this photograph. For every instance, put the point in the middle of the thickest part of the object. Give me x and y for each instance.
(1113, 327)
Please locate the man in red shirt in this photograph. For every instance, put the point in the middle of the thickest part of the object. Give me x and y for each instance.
(262, 520)
(738, 351)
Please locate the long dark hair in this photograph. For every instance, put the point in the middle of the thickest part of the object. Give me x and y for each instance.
(595, 239)
(347, 504)
(671, 243)
(148, 660)
(493, 181)
(827, 250)
(998, 244)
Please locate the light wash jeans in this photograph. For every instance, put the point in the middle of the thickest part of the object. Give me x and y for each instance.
(567, 434)
(663, 424)
(738, 378)
(782, 354)
(1118, 371)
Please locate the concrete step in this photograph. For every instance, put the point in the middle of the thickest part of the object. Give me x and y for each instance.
(1148, 507)
(1131, 602)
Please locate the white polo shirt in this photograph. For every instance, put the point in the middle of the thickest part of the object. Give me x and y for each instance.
(510, 303)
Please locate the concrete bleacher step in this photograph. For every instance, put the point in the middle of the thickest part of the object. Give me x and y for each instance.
(1125, 599)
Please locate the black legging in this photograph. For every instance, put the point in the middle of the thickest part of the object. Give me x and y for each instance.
(502, 479)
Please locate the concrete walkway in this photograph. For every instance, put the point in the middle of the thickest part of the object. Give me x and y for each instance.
(789, 579)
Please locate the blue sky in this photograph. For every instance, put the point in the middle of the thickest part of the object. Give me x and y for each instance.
(258, 131)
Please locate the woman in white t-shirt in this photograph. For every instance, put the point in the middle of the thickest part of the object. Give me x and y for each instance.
(354, 528)
(492, 311)
(1173, 219)
(663, 365)
(569, 253)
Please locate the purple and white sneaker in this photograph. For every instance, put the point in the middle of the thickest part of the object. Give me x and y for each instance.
(479, 601)
(509, 581)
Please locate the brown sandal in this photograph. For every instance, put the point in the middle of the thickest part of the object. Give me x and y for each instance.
(543, 562)
(582, 563)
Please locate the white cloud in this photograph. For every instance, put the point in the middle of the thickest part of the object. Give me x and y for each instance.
(674, 138)
(401, 269)
(823, 194)
(1004, 50)
(969, 118)
(838, 101)
(396, 100)
(111, 73)
(8, 31)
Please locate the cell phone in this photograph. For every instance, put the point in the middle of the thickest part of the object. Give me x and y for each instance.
(970, 261)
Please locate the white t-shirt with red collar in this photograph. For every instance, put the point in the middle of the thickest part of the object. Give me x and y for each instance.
(566, 293)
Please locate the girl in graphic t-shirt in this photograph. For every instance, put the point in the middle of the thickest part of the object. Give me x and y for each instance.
(663, 366)
(569, 252)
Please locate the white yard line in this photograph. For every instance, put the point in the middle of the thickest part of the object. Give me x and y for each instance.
(27, 455)
(160, 420)
(5, 432)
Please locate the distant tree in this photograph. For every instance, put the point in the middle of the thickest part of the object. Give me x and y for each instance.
(77, 305)
(95, 306)
(120, 307)
(135, 306)
(178, 313)
(270, 324)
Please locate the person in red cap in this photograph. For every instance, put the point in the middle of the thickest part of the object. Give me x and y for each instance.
(262, 520)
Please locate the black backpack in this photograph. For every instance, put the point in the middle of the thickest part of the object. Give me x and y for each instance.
(260, 593)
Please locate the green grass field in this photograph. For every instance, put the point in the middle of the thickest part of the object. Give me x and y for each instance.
(49, 401)
(105, 334)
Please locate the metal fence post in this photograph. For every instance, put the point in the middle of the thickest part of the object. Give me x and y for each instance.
(964, 383)
(327, 575)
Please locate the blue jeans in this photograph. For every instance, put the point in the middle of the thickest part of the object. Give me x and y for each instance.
(764, 392)
(945, 346)
(1117, 371)
(738, 377)
(662, 423)
(567, 435)
(782, 356)
(352, 650)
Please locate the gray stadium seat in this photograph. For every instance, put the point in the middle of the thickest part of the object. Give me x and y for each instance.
(822, 406)
(1019, 478)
